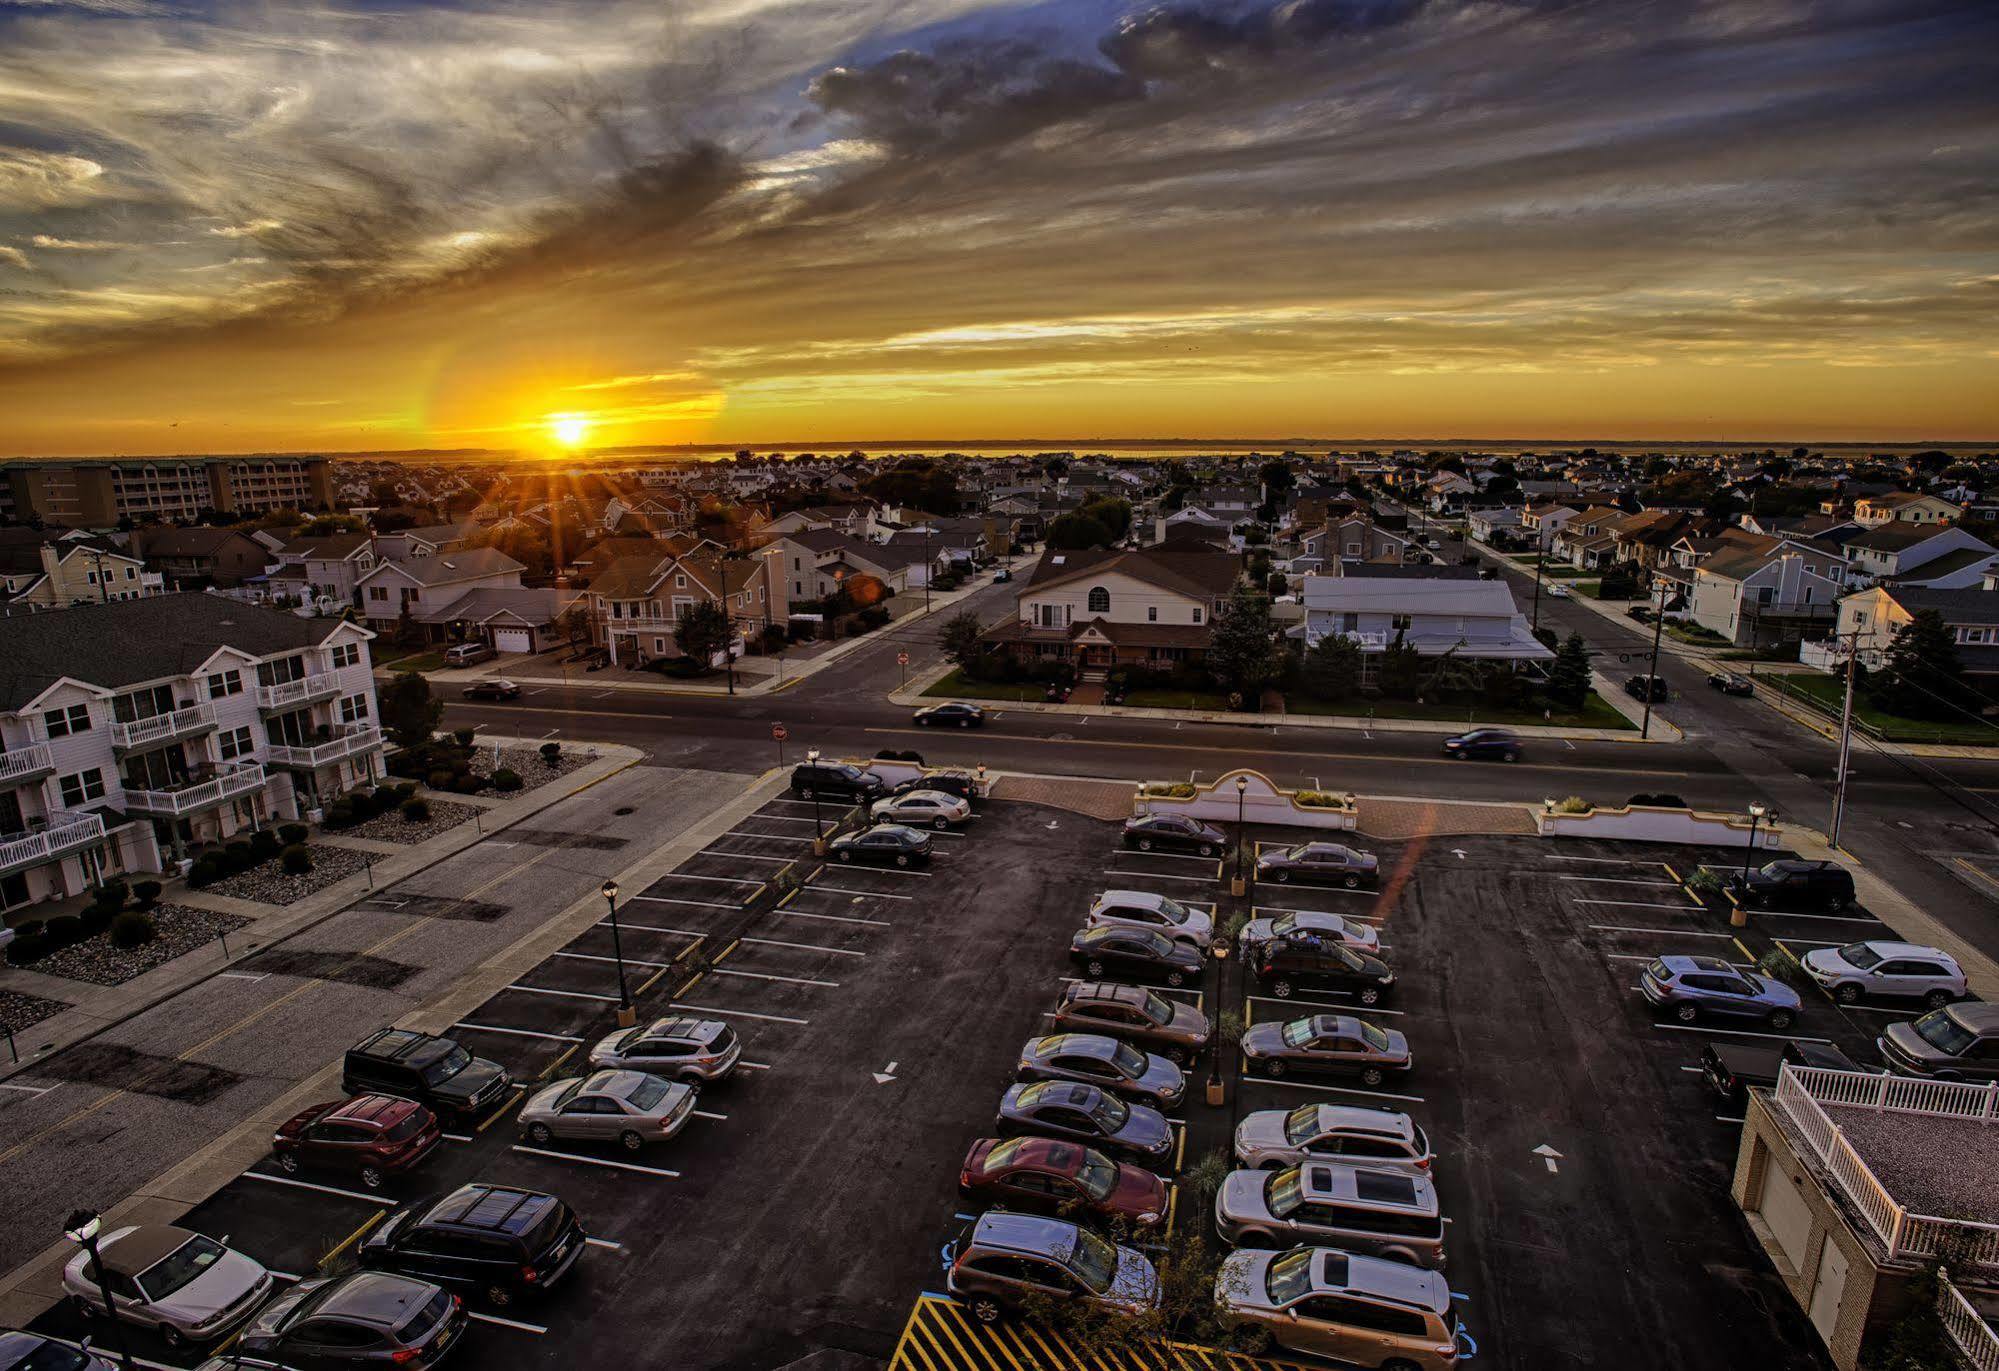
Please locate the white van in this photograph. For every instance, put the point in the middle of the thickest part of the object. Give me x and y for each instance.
(465, 654)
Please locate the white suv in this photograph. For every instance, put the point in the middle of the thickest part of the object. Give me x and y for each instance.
(1904, 970)
(1362, 1311)
(1161, 913)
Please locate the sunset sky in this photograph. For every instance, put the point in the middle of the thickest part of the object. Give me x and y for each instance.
(364, 224)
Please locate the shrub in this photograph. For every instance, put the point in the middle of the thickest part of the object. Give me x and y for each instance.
(415, 809)
(133, 929)
(1660, 800)
(63, 930)
(238, 855)
(1575, 804)
(506, 779)
(147, 893)
(401, 791)
(28, 948)
(296, 859)
(112, 892)
(440, 780)
(340, 814)
(95, 919)
(1179, 790)
(463, 735)
(207, 870)
(264, 844)
(387, 796)
(551, 751)
(29, 926)
(1321, 799)
(292, 834)
(855, 628)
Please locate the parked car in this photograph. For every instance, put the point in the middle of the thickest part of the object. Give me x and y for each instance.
(1160, 913)
(836, 781)
(883, 845)
(428, 1069)
(1731, 683)
(1648, 687)
(1433, 545)
(1327, 1044)
(498, 1242)
(1899, 970)
(372, 1136)
(1173, 833)
(922, 809)
(1043, 1176)
(1355, 934)
(1356, 1310)
(1365, 1209)
(1302, 960)
(1792, 883)
(682, 1049)
(961, 785)
(467, 654)
(1959, 1042)
(1558, 591)
(951, 714)
(1095, 1059)
(1135, 1015)
(492, 690)
(365, 1318)
(21, 1351)
(1086, 1114)
(1127, 952)
(185, 1286)
(1691, 988)
(1008, 1260)
(1730, 1069)
(1271, 1138)
(1484, 744)
(632, 1108)
(1318, 864)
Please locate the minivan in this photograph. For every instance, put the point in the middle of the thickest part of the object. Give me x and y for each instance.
(835, 781)
(465, 654)
(1368, 1209)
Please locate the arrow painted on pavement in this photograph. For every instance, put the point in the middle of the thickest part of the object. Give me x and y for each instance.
(1548, 1155)
(1458, 852)
(884, 1077)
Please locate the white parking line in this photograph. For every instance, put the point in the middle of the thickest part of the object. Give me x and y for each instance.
(520, 1032)
(458, 1137)
(1728, 1118)
(605, 1242)
(1643, 904)
(1820, 918)
(786, 818)
(655, 928)
(1157, 876)
(322, 1189)
(1649, 957)
(706, 1114)
(1608, 861)
(773, 837)
(595, 1161)
(499, 1322)
(805, 947)
(588, 957)
(1358, 1010)
(738, 857)
(136, 1361)
(1739, 1033)
(1664, 932)
(1618, 880)
(698, 904)
(733, 1014)
(243, 975)
(1883, 1009)
(1262, 909)
(1359, 892)
(764, 976)
(871, 894)
(1335, 1089)
(563, 994)
(722, 880)
(29, 1089)
(832, 918)
(1174, 856)
(892, 871)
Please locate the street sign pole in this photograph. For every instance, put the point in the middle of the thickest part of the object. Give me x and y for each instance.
(902, 660)
(778, 734)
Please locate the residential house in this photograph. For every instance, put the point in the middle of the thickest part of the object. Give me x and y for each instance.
(195, 558)
(518, 619)
(1435, 614)
(326, 569)
(1104, 608)
(1897, 548)
(39, 573)
(1501, 521)
(1542, 522)
(1585, 540)
(410, 543)
(813, 563)
(1902, 506)
(1871, 618)
(636, 603)
(1768, 592)
(422, 583)
(1355, 538)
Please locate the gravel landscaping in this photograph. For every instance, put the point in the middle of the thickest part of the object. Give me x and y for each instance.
(269, 883)
(181, 930)
(392, 827)
(528, 763)
(19, 1013)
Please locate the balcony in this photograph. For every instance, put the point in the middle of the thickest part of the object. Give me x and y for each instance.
(65, 834)
(163, 728)
(219, 787)
(25, 764)
(291, 694)
(349, 742)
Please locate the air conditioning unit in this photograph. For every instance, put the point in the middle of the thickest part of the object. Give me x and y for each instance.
(315, 816)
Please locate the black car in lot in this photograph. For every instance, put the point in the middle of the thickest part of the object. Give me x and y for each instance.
(959, 784)
(428, 1069)
(1306, 961)
(1793, 883)
(492, 690)
(1317, 864)
(1731, 1068)
(365, 1318)
(836, 781)
(953, 714)
(497, 1242)
(1731, 683)
(1173, 833)
(1484, 744)
(1131, 953)
(1648, 687)
(884, 845)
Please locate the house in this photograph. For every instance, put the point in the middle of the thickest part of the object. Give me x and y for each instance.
(636, 603)
(409, 543)
(195, 558)
(1501, 521)
(1099, 609)
(326, 568)
(1871, 618)
(426, 582)
(1902, 506)
(135, 731)
(1543, 522)
(1767, 592)
(1897, 548)
(1471, 619)
(39, 574)
(1355, 538)
(520, 619)
(1585, 540)
(813, 563)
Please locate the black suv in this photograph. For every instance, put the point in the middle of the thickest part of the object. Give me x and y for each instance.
(495, 1241)
(1306, 961)
(1642, 687)
(430, 1070)
(836, 781)
(1794, 884)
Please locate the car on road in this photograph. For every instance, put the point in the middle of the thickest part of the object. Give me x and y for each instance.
(1355, 934)
(1161, 913)
(1271, 1138)
(1317, 864)
(1302, 960)
(1352, 1309)
(1173, 833)
(365, 1318)
(1043, 1176)
(1484, 744)
(961, 785)
(951, 714)
(1433, 545)
(185, 1286)
(1879, 967)
(1136, 1015)
(467, 654)
(1086, 1114)
(681, 1049)
(1558, 591)
(1731, 683)
(1959, 1042)
(1792, 883)
(836, 781)
(1365, 1209)
(373, 1137)
(1692, 988)
(1096, 1059)
(1327, 1045)
(431, 1070)
(492, 690)
(1002, 576)
(922, 809)
(630, 1108)
(883, 845)
(1731, 1068)
(1007, 1261)
(1643, 687)
(1123, 952)
(497, 1242)
(21, 1351)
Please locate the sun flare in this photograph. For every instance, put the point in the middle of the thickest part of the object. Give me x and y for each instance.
(568, 429)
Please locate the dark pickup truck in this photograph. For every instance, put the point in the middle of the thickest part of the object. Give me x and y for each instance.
(1731, 1068)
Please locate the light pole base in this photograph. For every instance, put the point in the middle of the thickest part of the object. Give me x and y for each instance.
(1238, 888)
(627, 1016)
(818, 847)
(1218, 1092)
(1738, 915)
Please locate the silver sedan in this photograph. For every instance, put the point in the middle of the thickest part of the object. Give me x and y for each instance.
(922, 809)
(629, 1107)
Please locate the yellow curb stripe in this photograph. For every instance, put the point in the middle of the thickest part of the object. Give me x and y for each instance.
(367, 1225)
(943, 1316)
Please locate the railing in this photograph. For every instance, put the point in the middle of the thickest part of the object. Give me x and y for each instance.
(197, 795)
(343, 744)
(288, 694)
(1967, 1328)
(65, 833)
(162, 727)
(24, 762)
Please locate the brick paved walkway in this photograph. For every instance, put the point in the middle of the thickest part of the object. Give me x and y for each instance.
(1094, 799)
(1419, 818)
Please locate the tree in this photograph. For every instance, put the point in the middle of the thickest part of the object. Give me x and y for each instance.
(1401, 668)
(409, 710)
(1076, 530)
(1568, 676)
(1114, 514)
(1332, 668)
(1921, 676)
(701, 630)
(1242, 653)
(961, 641)
(1276, 479)
(575, 624)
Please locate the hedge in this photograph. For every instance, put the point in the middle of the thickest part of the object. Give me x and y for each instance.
(293, 834)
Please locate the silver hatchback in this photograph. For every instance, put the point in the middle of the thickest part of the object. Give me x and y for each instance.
(630, 1108)
(681, 1049)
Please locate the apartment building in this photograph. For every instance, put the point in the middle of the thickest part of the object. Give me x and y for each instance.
(135, 732)
(97, 493)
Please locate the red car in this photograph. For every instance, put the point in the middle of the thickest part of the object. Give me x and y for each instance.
(1043, 1176)
(373, 1136)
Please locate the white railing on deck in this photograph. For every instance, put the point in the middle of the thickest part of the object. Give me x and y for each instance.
(1967, 1327)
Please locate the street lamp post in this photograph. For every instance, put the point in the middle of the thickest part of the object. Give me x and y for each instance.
(818, 823)
(1540, 552)
(1756, 812)
(82, 1229)
(1241, 836)
(627, 1016)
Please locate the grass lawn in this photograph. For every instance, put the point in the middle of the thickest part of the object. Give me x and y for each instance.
(1208, 700)
(1695, 636)
(1593, 589)
(1829, 691)
(957, 687)
(427, 660)
(1596, 712)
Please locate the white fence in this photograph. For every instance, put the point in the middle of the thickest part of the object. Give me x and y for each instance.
(1974, 1337)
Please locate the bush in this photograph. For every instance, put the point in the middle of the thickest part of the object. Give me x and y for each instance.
(238, 855)
(1321, 799)
(28, 927)
(464, 736)
(340, 814)
(440, 780)
(551, 751)
(147, 893)
(95, 919)
(63, 930)
(1575, 804)
(506, 780)
(399, 792)
(415, 809)
(112, 892)
(1179, 790)
(207, 870)
(133, 929)
(264, 844)
(292, 834)
(1660, 800)
(296, 859)
(855, 628)
(28, 948)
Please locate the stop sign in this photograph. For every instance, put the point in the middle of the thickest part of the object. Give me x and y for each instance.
(902, 659)
(778, 733)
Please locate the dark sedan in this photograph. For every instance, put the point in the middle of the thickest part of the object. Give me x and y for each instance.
(1128, 953)
(1173, 833)
(1086, 1114)
(884, 845)
(1327, 1044)
(365, 1318)
(955, 714)
(1317, 864)
(1064, 1179)
(958, 784)
(1731, 683)
(492, 690)
(1487, 744)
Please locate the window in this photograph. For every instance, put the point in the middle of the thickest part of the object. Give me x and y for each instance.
(378, 593)
(63, 722)
(1152, 614)
(83, 787)
(1100, 600)
(680, 583)
(225, 683)
(234, 743)
(1197, 614)
(131, 574)
(1400, 623)
(346, 654)
(353, 709)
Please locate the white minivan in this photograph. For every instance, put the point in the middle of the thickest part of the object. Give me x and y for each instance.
(465, 654)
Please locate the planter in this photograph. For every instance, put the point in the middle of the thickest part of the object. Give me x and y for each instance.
(1262, 802)
(1653, 824)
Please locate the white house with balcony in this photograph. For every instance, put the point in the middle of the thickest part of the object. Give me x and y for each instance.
(1434, 615)
(133, 733)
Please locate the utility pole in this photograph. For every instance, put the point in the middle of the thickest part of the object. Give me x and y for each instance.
(1540, 551)
(1845, 735)
(1652, 672)
(929, 568)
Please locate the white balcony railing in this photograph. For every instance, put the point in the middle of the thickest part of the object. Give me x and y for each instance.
(217, 789)
(1968, 1329)
(65, 834)
(349, 743)
(161, 728)
(25, 762)
(320, 685)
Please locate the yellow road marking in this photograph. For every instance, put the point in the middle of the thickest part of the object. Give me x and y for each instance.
(512, 1100)
(789, 897)
(1966, 864)
(727, 950)
(649, 981)
(326, 1262)
(692, 981)
(948, 1314)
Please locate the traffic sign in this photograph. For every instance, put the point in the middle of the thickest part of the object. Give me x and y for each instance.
(778, 733)
(902, 659)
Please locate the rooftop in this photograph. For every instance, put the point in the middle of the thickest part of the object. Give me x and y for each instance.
(1947, 1168)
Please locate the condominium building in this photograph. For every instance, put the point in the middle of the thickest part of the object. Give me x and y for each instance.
(98, 492)
(136, 732)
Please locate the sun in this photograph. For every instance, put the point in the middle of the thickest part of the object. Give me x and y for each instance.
(568, 429)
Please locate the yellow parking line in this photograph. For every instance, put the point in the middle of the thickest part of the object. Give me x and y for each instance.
(1674, 875)
(653, 979)
(326, 1262)
(902, 1340)
(912, 1355)
(727, 950)
(1012, 1335)
(1751, 955)
(789, 897)
(1172, 1207)
(924, 1340)
(1983, 876)
(512, 1100)
(692, 981)
(941, 1315)
(686, 951)
(1180, 1150)
(1032, 1332)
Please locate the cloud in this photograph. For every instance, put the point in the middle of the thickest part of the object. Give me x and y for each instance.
(31, 179)
(13, 256)
(48, 241)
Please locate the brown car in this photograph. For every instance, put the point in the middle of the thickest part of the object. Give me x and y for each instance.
(1133, 1014)
(1064, 1179)
(372, 1136)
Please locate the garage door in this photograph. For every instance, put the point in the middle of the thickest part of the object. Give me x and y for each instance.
(1788, 1216)
(513, 640)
